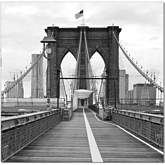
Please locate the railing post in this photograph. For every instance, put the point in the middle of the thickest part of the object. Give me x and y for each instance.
(20, 131)
(147, 126)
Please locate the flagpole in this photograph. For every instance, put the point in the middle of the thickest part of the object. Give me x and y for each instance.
(80, 14)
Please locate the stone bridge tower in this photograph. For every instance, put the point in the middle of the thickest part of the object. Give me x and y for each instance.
(100, 40)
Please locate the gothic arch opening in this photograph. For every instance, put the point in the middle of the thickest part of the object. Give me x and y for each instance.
(99, 40)
(97, 64)
(68, 66)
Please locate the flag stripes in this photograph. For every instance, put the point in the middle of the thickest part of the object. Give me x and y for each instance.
(79, 14)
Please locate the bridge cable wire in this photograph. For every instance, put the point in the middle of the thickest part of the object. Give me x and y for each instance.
(101, 86)
(150, 80)
(78, 58)
(89, 64)
(75, 82)
(93, 86)
(63, 84)
(7, 89)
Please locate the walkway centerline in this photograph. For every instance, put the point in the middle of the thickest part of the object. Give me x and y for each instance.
(94, 150)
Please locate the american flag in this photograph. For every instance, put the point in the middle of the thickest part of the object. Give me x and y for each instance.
(79, 14)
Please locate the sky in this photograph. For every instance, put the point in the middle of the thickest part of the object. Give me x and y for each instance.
(22, 27)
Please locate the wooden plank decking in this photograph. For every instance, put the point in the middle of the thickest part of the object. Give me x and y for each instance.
(116, 145)
(68, 142)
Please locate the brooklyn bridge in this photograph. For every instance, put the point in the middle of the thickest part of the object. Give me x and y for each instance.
(96, 124)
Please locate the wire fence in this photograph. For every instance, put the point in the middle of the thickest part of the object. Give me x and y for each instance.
(18, 106)
(154, 106)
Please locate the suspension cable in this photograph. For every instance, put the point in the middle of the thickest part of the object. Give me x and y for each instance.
(88, 60)
(93, 86)
(7, 89)
(63, 85)
(137, 68)
(78, 58)
(101, 84)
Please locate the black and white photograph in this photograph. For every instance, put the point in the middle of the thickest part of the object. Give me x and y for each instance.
(82, 81)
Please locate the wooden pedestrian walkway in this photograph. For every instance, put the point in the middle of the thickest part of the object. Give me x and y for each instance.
(68, 142)
(117, 146)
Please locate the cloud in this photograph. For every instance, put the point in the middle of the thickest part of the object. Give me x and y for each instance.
(123, 13)
(23, 24)
(23, 10)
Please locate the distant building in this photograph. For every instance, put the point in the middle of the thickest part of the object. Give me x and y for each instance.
(37, 78)
(15, 92)
(123, 85)
(144, 94)
(126, 83)
(20, 89)
(129, 97)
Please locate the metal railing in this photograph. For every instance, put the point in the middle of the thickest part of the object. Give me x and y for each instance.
(154, 106)
(148, 126)
(143, 101)
(18, 132)
(17, 106)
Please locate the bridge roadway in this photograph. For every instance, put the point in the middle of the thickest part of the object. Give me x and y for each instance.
(68, 142)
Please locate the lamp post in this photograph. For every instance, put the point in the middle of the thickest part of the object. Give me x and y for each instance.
(49, 40)
(58, 87)
(115, 92)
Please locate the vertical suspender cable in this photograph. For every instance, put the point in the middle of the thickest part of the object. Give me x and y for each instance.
(63, 85)
(101, 86)
(7, 89)
(137, 68)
